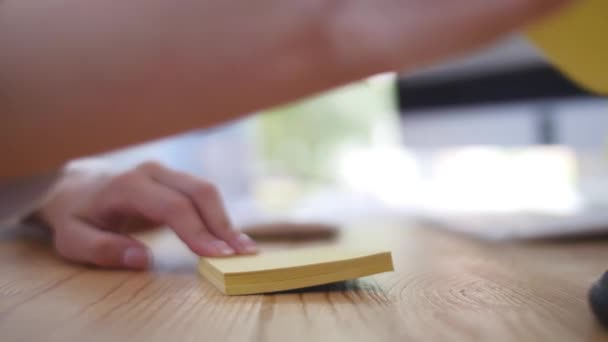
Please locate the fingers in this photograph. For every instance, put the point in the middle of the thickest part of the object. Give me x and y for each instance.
(154, 194)
(137, 193)
(162, 204)
(208, 203)
(77, 241)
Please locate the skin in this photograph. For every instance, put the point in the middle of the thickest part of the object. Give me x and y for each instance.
(81, 77)
(90, 213)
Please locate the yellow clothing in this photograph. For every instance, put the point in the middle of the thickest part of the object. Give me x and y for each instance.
(575, 40)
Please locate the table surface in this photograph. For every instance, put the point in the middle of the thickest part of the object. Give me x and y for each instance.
(446, 287)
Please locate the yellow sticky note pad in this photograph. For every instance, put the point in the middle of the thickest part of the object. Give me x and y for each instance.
(292, 269)
(575, 40)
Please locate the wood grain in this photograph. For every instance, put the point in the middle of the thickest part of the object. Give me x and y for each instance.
(446, 287)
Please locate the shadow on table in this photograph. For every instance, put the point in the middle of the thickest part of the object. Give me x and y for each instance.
(354, 291)
(341, 286)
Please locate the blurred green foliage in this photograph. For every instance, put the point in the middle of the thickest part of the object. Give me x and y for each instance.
(301, 138)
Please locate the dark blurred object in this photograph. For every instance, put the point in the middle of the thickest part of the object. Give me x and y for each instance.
(288, 231)
(512, 71)
(529, 83)
(598, 299)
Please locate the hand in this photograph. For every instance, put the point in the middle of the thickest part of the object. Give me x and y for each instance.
(88, 212)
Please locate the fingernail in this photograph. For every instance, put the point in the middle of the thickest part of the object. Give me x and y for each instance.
(136, 257)
(222, 248)
(248, 245)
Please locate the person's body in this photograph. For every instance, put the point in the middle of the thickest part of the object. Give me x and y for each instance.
(82, 77)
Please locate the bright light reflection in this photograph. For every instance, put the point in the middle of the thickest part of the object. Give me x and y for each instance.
(390, 174)
(475, 179)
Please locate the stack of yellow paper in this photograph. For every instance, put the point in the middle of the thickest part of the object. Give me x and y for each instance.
(292, 269)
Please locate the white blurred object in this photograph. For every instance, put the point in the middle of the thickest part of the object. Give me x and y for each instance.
(487, 191)
(390, 174)
(472, 179)
(531, 193)
(486, 179)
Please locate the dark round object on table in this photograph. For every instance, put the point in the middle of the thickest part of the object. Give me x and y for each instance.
(598, 299)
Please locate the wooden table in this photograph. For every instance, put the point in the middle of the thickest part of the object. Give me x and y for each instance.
(446, 287)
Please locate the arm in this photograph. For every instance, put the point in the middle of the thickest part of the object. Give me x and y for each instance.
(81, 77)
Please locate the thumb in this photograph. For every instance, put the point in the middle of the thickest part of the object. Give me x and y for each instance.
(81, 242)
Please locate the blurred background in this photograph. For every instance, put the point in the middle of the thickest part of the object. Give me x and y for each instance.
(496, 132)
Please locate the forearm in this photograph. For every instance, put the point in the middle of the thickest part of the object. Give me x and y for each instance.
(81, 77)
